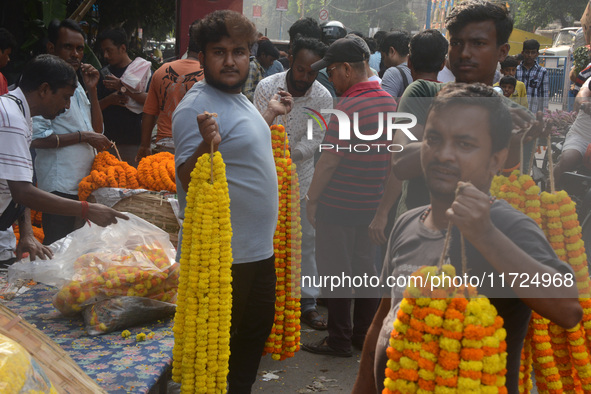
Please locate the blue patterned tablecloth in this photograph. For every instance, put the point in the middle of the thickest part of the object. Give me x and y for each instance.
(118, 365)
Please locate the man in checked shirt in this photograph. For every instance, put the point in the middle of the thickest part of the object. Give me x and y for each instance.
(534, 76)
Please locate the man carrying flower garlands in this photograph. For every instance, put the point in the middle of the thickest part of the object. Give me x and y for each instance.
(309, 94)
(242, 136)
(465, 140)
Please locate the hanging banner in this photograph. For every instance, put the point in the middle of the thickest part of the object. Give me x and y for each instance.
(257, 11)
(281, 5)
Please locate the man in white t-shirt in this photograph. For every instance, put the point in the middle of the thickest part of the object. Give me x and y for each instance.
(45, 89)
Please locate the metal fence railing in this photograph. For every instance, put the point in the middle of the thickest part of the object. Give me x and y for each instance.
(558, 69)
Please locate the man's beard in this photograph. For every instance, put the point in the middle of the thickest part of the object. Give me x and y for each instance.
(297, 84)
(222, 86)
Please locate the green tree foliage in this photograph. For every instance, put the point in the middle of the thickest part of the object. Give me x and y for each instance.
(155, 17)
(532, 14)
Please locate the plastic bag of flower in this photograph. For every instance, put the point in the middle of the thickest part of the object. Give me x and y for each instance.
(19, 373)
(129, 258)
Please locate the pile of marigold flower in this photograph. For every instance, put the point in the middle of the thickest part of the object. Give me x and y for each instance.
(204, 304)
(284, 339)
(107, 171)
(444, 342)
(156, 172)
(559, 357)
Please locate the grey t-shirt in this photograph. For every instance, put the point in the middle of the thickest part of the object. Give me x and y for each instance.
(393, 82)
(413, 245)
(250, 167)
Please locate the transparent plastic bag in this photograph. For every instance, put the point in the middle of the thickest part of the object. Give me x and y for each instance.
(123, 312)
(19, 373)
(129, 258)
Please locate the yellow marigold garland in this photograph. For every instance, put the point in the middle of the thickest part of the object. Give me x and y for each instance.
(445, 343)
(107, 171)
(284, 339)
(204, 303)
(156, 172)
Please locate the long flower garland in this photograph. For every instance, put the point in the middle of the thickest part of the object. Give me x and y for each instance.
(284, 339)
(202, 320)
(560, 358)
(445, 343)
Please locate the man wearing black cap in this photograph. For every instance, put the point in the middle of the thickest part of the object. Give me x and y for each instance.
(345, 192)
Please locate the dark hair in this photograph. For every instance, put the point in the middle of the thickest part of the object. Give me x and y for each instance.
(223, 23)
(508, 80)
(480, 11)
(7, 40)
(379, 36)
(371, 43)
(499, 118)
(399, 40)
(313, 45)
(357, 33)
(531, 44)
(55, 25)
(47, 68)
(306, 27)
(117, 35)
(193, 47)
(427, 51)
(510, 61)
(266, 47)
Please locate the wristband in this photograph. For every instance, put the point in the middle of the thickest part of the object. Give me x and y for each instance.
(85, 211)
(79, 137)
(57, 138)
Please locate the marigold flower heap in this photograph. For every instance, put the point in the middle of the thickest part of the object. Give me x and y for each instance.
(445, 343)
(107, 171)
(156, 172)
(284, 339)
(204, 303)
(559, 357)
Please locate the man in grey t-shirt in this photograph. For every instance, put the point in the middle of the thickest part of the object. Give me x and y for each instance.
(242, 135)
(465, 140)
(395, 50)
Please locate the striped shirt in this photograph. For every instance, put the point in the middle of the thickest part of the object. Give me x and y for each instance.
(537, 85)
(355, 189)
(15, 138)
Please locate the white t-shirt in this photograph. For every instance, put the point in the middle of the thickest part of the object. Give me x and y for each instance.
(296, 122)
(15, 139)
(250, 166)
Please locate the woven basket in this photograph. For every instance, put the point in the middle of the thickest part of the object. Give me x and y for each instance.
(153, 208)
(62, 371)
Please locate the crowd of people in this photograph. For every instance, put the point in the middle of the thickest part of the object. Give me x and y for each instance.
(364, 212)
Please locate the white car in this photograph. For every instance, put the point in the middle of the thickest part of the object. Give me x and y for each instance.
(562, 43)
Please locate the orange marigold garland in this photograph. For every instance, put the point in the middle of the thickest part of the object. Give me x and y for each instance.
(107, 171)
(445, 343)
(156, 172)
(284, 339)
(561, 358)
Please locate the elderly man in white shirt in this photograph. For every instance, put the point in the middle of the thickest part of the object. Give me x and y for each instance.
(65, 146)
(300, 81)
